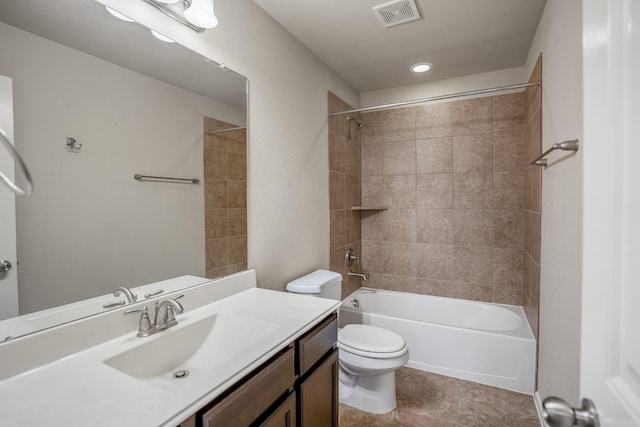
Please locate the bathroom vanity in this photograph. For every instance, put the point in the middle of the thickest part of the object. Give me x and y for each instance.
(239, 355)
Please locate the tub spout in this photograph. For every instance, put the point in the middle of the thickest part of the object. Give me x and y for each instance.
(363, 276)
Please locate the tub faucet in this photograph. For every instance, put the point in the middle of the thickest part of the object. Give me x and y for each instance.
(363, 276)
(131, 297)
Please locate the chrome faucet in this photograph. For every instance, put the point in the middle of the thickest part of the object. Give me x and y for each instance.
(363, 276)
(146, 328)
(171, 306)
(131, 297)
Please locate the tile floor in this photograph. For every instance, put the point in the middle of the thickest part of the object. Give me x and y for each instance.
(431, 400)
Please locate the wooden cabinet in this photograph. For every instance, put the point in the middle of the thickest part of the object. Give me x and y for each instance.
(298, 387)
(318, 395)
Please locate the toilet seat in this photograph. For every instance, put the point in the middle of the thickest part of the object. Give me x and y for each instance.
(371, 341)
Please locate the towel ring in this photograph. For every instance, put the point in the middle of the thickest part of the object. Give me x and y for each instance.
(23, 168)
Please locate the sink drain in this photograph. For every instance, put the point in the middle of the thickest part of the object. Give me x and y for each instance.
(181, 374)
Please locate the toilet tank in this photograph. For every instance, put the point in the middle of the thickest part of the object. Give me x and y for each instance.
(320, 283)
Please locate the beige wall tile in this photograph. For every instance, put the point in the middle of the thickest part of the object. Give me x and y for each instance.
(473, 227)
(352, 191)
(215, 164)
(509, 229)
(472, 265)
(337, 152)
(536, 188)
(528, 197)
(535, 237)
(217, 253)
(216, 224)
(434, 155)
(237, 166)
(399, 124)
(372, 191)
(434, 226)
(371, 259)
(433, 121)
(536, 135)
(215, 194)
(528, 230)
(337, 261)
(508, 191)
(473, 190)
(354, 226)
(507, 267)
(508, 151)
(526, 275)
(337, 229)
(371, 159)
(399, 259)
(372, 133)
(472, 116)
(372, 226)
(236, 268)
(237, 222)
(399, 157)
(353, 155)
(435, 191)
(337, 191)
(237, 194)
(435, 262)
(237, 250)
(399, 225)
(507, 295)
(508, 112)
(400, 191)
(400, 283)
(473, 153)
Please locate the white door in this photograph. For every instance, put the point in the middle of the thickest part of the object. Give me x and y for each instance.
(610, 354)
(9, 279)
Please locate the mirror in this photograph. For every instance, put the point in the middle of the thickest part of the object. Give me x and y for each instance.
(96, 101)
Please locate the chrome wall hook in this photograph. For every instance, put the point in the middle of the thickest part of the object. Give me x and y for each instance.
(73, 145)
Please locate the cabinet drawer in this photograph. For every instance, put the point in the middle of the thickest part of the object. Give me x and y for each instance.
(318, 395)
(244, 405)
(316, 343)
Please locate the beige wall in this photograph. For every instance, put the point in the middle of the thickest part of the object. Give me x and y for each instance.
(344, 192)
(225, 198)
(288, 183)
(451, 177)
(559, 39)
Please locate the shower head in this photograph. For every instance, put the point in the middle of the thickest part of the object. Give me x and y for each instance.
(360, 123)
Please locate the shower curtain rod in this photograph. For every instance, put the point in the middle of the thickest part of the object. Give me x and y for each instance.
(225, 130)
(437, 98)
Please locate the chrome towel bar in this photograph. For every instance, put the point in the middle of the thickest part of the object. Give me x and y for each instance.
(571, 145)
(165, 178)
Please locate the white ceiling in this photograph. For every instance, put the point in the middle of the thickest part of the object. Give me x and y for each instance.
(460, 37)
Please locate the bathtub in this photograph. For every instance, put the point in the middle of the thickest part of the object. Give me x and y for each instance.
(481, 342)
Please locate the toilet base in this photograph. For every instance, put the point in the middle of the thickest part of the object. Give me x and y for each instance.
(375, 394)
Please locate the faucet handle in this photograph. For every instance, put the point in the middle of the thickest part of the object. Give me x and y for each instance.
(144, 326)
(170, 314)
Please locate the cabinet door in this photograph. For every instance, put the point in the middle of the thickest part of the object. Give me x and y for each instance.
(319, 395)
(285, 415)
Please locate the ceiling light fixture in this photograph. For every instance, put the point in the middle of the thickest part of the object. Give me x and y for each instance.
(195, 14)
(421, 67)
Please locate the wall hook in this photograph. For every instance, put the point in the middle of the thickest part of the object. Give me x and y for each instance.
(73, 145)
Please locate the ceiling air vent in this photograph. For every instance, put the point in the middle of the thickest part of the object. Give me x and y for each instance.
(397, 12)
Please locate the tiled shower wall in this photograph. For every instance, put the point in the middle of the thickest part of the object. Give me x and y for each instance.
(532, 199)
(344, 191)
(451, 176)
(225, 197)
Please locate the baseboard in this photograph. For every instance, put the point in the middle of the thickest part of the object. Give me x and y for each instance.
(538, 401)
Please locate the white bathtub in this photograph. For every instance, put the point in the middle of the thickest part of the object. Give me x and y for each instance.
(482, 342)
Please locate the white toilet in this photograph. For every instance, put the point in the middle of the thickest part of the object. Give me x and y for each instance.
(368, 355)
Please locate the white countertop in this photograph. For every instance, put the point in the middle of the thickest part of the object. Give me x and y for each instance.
(81, 390)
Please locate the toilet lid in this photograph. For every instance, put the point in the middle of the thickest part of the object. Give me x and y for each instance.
(371, 339)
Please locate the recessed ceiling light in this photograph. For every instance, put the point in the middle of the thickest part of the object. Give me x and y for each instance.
(421, 67)
(119, 15)
(162, 37)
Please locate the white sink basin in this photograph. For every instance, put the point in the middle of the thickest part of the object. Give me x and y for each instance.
(196, 348)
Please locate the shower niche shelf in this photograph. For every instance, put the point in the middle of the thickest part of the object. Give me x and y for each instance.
(369, 208)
